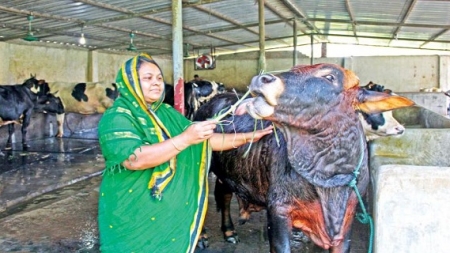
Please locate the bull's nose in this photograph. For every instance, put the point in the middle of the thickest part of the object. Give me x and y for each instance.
(266, 78)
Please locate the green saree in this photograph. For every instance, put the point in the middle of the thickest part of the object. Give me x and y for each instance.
(160, 209)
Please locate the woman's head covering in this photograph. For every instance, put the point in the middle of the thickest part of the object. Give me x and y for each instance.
(150, 121)
(129, 76)
(133, 195)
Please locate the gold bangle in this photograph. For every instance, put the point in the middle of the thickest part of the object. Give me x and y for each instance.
(175, 146)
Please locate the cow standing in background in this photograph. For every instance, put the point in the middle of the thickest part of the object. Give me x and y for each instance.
(17, 103)
(83, 98)
(195, 94)
(302, 178)
(378, 125)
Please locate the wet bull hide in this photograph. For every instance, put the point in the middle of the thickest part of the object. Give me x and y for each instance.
(375, 125)
(301, 174)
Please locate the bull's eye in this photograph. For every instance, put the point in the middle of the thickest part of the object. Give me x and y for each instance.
(330, 78)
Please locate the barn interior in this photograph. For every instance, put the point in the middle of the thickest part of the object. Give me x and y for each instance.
(402, 45)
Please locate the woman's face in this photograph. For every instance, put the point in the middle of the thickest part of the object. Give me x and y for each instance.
(152, 83)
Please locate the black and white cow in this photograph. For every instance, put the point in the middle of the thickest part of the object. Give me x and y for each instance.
(17, 103)
(83, 98)
(377, 125)
(195, 94)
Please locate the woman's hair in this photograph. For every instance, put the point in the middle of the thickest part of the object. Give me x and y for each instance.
(145, 59)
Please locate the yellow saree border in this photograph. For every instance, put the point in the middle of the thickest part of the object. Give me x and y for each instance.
(202, 200)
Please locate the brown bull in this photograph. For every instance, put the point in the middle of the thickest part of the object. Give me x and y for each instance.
(302, 175)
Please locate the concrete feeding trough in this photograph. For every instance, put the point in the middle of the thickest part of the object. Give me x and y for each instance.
(411, 183)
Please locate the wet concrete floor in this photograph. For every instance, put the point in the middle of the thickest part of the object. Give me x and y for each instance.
(48, 203)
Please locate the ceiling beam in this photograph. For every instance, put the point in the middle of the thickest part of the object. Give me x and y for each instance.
(434, 37)
(380, 23)
(288, 21)
(159, 20)
(300, 15)
(74, 23)
(352, 17)
(403, 21)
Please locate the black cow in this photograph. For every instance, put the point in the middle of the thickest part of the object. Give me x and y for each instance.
(376, 87)
(170, 95)
(195, 94)
(302, 174)
(17, 103)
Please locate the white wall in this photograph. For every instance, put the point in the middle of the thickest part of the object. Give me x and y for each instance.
(63, 63)
(399, 73)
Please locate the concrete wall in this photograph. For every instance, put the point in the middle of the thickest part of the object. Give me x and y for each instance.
(420, 117)
(436, 101)
(402, 74)
(237, 70)
(399, 73)
(411, 210)
(410, 179)
(63, 64)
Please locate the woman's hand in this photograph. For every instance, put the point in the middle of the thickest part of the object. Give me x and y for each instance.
(258, 134)
(149, 156)
(221, 141)
(198, 132)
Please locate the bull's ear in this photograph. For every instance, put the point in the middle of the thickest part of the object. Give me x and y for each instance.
(54, 93)
(377, 102)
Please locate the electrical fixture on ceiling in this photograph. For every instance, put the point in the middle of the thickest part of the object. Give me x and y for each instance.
(82, 39)
(30, 36)
(132, 47)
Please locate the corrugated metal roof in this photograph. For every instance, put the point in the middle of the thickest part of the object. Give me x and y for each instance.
(228, 26)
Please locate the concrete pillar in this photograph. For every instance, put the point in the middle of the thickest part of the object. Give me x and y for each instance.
(324, 50)
(312, 49)
(444, 72)
(177, 48)
(295, 54)
(92, 74)
(262, 36)
(348, 63)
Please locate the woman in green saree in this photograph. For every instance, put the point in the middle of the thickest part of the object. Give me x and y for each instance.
(154, 190)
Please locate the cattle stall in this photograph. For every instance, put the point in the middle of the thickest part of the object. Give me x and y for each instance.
(410, 175)
(44, 125)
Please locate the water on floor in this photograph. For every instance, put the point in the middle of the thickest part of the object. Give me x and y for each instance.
(48, 203)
